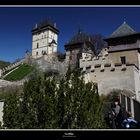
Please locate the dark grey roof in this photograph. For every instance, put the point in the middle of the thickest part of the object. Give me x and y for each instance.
(123, 30)
(125, 47)
(88, 48)
(80, 37)
(46, 24)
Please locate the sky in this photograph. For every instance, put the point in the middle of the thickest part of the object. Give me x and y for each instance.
(16, 24)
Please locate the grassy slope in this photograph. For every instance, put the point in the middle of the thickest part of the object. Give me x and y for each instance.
(19, 73)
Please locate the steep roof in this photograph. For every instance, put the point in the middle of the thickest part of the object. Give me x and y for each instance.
(122, 30)
(80, 37)
(46, 24)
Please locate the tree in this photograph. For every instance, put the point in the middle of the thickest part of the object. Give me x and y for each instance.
(82, 106)
(11, 111)
(47, 103)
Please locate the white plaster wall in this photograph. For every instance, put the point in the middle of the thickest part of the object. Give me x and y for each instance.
(137, 83)
(108, 80)
(1, 111)
(139, 61)
(43, 39)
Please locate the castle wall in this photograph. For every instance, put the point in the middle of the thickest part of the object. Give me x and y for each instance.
(1, 111)
(108, 80)
(139, 60)
(73, 55)
(110, 73)
(5, 69)
(115, 57)
(137, 83)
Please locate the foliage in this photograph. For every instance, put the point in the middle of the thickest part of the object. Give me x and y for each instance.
(69, 103)
(19, 73)
(11, 111)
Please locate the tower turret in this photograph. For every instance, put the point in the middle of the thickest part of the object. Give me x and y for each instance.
(44, 35)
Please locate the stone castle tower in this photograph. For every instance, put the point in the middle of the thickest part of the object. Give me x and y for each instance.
(44, 39)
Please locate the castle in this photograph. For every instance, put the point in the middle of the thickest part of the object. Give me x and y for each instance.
(116, 66)
(112, 62)
(45, 46)
(44, 39)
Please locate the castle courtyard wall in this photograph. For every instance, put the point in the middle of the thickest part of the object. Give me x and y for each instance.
(118, 79)
(131, 57)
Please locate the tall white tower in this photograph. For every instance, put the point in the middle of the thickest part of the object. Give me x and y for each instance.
(44, 39)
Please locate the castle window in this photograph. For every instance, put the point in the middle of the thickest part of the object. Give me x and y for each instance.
(123, 60)
(37, 45)
(36, 53)
(70, 55)
(42, 52)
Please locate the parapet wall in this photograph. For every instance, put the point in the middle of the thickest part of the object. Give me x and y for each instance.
(10, 67)
(108, 80)
(111, 75)
(102, 63)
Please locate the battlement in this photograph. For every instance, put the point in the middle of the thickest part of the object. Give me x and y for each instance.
(10, 67)
(92, 68)
(89, 63)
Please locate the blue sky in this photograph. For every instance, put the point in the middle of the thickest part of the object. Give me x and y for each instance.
(16, 24)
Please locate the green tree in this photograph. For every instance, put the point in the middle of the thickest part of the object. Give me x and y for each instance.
(49, 103)
(11, 111)
(83, 107)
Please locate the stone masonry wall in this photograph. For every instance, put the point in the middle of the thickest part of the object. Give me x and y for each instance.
(131, 57)
(108, 80)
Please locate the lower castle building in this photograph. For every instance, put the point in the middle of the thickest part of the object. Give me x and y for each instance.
(116, 67)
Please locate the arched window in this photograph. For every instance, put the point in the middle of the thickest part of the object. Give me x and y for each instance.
(36, 53)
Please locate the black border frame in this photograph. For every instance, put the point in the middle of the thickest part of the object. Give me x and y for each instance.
(67, 134)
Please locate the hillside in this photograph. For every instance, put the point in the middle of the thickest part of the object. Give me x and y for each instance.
(3, 64)
(19, 73)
